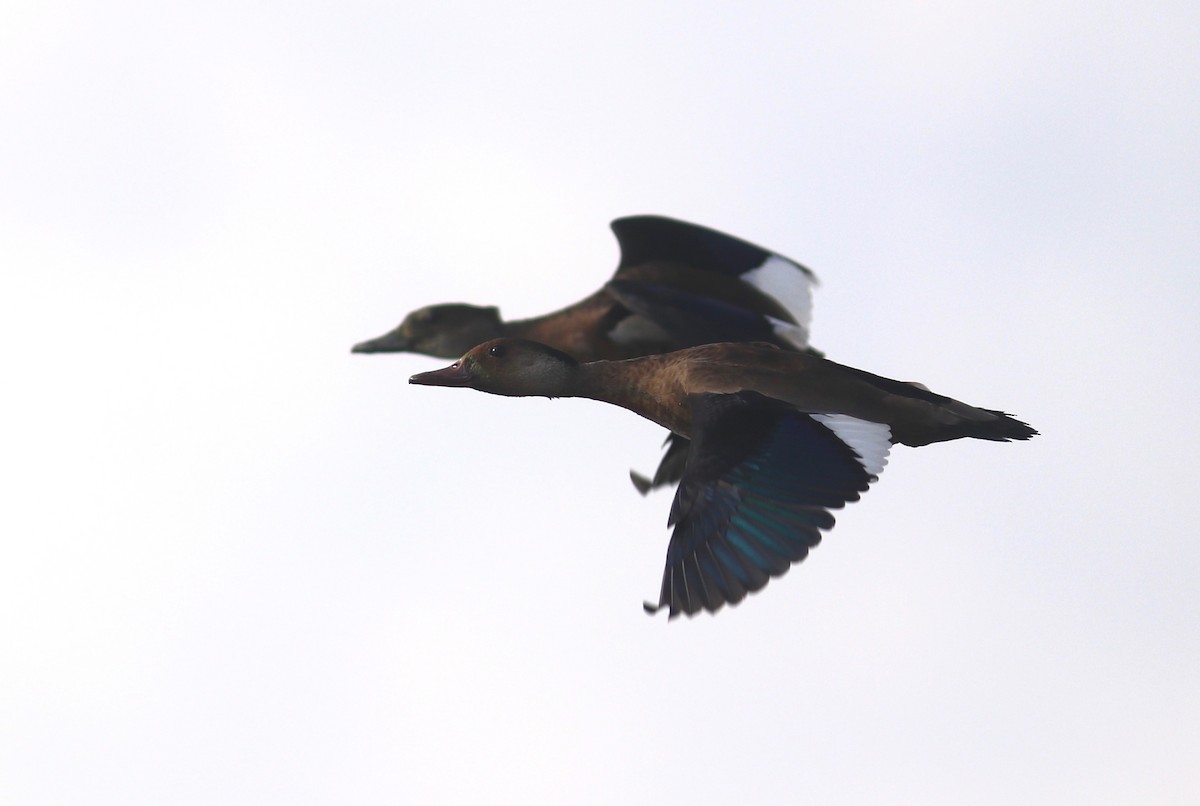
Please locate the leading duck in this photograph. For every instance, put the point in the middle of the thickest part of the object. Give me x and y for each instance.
(677, 285)
(778, 438)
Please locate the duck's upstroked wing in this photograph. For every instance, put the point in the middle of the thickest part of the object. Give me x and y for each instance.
(647, 239)
(760, 480)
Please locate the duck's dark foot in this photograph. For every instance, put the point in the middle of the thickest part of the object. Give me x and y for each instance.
(642, 483)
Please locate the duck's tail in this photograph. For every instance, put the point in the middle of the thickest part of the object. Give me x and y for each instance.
(960, 420)
(920, 416)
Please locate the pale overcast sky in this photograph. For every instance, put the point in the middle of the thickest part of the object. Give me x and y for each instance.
(242, 566)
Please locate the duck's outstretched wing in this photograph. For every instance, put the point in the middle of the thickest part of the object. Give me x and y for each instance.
(647, 239)
(759, 482)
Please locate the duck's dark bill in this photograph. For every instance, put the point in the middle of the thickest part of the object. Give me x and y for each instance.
(393, 342)
(453, 375)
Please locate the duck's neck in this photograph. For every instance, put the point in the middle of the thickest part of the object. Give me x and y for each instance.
(637, 384)
(577, 329)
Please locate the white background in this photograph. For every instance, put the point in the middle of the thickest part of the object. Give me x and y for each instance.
(239, 565)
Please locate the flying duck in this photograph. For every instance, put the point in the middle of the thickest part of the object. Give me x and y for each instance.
(777, 439)
(677, 285)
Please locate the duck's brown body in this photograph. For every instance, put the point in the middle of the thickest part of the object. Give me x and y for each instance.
(591, 329)
(658, 386)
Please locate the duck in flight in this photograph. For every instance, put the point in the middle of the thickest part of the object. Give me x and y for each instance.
(677, 285)
(777, 439)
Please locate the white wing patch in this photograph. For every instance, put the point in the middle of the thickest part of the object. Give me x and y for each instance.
(871, 441)
(789, 283)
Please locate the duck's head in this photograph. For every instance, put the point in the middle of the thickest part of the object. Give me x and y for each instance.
(513, 367)
(442, 331)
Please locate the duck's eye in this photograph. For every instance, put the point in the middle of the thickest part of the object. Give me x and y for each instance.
(497, 350)
(427, 316)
